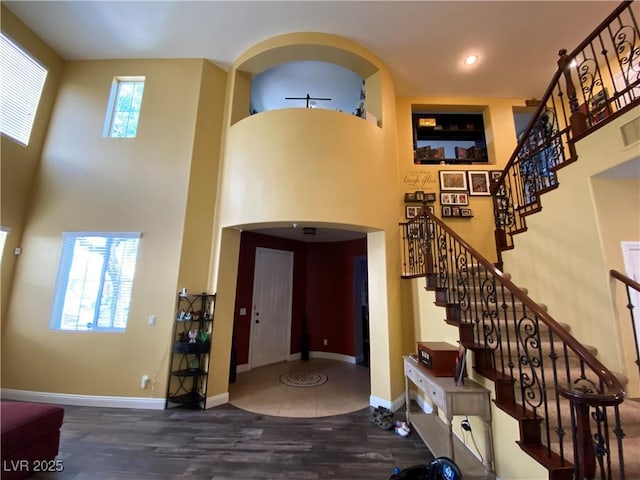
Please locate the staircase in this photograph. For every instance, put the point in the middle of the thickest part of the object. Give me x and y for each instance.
(572, 412)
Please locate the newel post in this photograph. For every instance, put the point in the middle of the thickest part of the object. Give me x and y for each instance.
(578, 119)
(585, 452)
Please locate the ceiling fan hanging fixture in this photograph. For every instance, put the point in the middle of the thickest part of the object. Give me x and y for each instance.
(308, 98)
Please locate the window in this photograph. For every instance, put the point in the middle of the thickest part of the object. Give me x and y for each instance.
(123, 112)
(4, 231)
(95, 279)
(21, 83)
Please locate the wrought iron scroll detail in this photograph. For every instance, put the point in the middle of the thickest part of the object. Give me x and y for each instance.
(530, 362)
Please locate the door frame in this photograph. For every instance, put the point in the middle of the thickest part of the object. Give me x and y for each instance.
(632, 270)
(290, 255)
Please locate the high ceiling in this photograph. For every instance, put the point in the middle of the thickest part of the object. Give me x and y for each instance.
(423, 43)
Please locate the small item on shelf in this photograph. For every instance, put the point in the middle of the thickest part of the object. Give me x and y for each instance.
(192, 335)
(461, 153)
(437, 153)
(439, 358)
(422, 153)
(460, 365)
(194, 364)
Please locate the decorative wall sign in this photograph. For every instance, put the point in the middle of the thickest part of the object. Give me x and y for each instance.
(419, 179)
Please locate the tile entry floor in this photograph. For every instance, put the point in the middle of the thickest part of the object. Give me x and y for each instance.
(260, 390)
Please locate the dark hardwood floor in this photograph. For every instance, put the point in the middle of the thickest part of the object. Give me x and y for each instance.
(226, 443)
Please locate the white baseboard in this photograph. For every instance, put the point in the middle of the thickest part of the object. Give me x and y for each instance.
(245, 367)
(82, 400)
(391, 405)
(333, 356)
(217, 400)
(422, 403)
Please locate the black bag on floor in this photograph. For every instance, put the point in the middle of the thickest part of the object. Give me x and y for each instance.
(442, 468)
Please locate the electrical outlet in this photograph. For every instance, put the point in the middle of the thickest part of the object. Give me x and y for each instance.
(152, 319)
(144, 381)
(326, 342)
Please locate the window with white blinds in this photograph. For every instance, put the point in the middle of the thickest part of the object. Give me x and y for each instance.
(21, 83)
(95, 281)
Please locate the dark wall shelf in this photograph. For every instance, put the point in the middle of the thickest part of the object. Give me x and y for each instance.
(189, 365)
(449, 127)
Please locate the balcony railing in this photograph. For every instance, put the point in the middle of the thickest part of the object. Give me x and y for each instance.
(594, 83)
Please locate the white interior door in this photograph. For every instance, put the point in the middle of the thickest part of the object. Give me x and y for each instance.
(631, 255)
(271, 308)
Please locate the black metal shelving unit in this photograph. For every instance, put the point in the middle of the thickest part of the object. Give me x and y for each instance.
(191, 347)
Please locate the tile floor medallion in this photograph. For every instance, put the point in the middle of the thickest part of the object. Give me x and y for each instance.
(304, 379)
(321, 387)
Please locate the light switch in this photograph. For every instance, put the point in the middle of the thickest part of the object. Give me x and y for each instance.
(152, 319)
(243, 311)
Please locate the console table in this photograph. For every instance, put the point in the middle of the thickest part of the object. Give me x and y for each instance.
(468, 399)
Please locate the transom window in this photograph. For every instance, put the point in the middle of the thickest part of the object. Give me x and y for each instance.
(95, 280)
(21, 82)
(123, 112)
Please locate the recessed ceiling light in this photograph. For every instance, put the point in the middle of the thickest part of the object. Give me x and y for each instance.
(471, 59)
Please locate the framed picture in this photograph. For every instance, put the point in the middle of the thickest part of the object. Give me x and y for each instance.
(413, 230)
(430, 209)
(411, 211)
(495, 175)
(461, 360)
(465, 212)
(410, 197)
(446, 211)
(430, 197)
(453, 180)
(451, 198)
(479, 183)
(419, 196)
(455, 211)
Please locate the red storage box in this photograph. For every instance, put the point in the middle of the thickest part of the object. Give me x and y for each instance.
(438, 358)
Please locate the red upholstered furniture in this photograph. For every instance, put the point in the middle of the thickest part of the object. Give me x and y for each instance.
(30, 434)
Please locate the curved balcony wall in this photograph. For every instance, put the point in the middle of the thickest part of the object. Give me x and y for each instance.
(324, 167)
(313, 165)
(305, 164)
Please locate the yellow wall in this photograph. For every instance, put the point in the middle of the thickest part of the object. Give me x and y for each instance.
(90, 183)
(203, 181)
(283, 166)
(324, 167)
(18, 163)
(501, 141)
(566, 238)
(609, 194)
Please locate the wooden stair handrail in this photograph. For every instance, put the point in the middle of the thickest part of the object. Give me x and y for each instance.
(614, 388)
(630, 282)
(549, 92)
